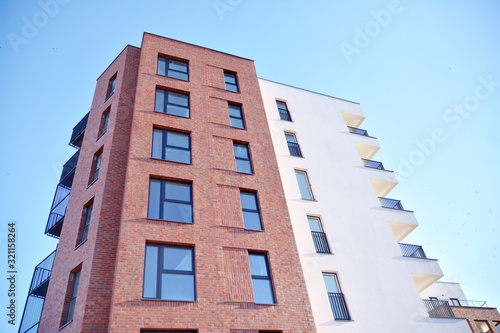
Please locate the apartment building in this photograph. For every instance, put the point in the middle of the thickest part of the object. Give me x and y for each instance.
(203, 199)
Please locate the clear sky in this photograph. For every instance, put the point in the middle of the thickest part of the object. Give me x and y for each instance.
(427, 75)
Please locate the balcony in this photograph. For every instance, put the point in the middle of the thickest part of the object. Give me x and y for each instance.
(467, 303)
(412, 251)
(320, 242)
(78, 132)
(374, 164)
(57, 212)
(284, 114)
(339, 307)
(438, 309)
(294, 149)
(68, 171)
(36, 295)
(392, 204)
(366, 145)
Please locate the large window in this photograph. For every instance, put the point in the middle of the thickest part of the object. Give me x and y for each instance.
(171, 102)
(242, 156)
(111, 86)
(304, 185)
(336, 297)
(261, 278)
(171, 146)
(177, 69)
(70, 303)
(169, 273)
(96, 166)
(170, 201)
(104, 121)
(283, 111)
(236, 116)
(231, 81)
(318, 235)
(251, 213)
(293, 146)
(87, 214)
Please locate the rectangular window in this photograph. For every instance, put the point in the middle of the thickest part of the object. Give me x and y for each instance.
(171, 146)
(104, 121)
(251, 213)
(336, 297)
(261, 278)
(318, 235)
(169, 273)
(293, 146)
(87, 215)
(283, 111)
(304, 185)
(73, 283)
(96, 166)
(170, 201)
(242, 156)
(231, 81)
(170, 102)
(236, 116)
(177, 69)
(111, 86)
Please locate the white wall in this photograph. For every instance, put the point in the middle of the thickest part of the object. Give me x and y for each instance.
(376, 280)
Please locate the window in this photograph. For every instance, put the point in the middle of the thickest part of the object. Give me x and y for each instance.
(171, 146)
(87, 214)
(230, 81)
(236, 116)
(111, 86)
(283, 111)
(69, 308)
(104, 121)
(242, 157)
(251, 214)
(483, 326)
(318, 235)
(304, 185)
(337, 301)
(261, 278)
(455, 302)
(176, 69)
(169, 273)
(293, 146)
(96, 167)
(170, 201)
(170, 102)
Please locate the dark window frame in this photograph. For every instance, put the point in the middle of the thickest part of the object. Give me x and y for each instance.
(166, 93)
(171, 72)
(266, 277)
(293, 146)
(239, 109)
(284, 113)
(160, 271)
(72, 295)
(161, 200)
(111, 86)
(96, 166)
(308, 183)
(249, 210)
(85, 224)
(165, 145)
(230, 86)
(247, 161)
(103, 127)
(338, 303)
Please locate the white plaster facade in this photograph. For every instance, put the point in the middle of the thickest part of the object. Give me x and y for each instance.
(381, 287)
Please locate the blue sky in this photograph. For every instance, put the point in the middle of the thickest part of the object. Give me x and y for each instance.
(426, 74)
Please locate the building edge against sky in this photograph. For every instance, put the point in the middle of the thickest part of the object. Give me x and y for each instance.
(178, 181)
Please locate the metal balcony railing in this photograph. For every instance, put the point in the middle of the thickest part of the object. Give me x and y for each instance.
(36, 295)
(373, 164)
(284, 115)
(339, 307)
(320, 242)
(294, 149)
(412, 251)
(78, 131)
(438, 309)
(57, 212)
(68, 171)
(473, 304)
(359, 131)
(391, 203)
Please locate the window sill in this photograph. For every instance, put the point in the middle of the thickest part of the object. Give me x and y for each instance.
(171, 77)
(108, 97)
(167, 300)
(65, 324)
(92, 182)
(168, 221)
(101, 135)
(176, 162)
(80, 244)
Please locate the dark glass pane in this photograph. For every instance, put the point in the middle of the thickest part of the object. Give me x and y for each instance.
(177, 65)
(157, 143)
(154, 199)
(248, 200)
(160, 100)
(252, 221)
(238, 123)
(161, 66)
(177, 212)
(177, 98)
(177, 258)
(178, 75)
(178, 139)
(243, 166)
(178, 191)
(178, 111)
(258, 264)
(177, 155)
(235, 111)
(150, 272)
(241, 151)
(177, 287)
(230, 78)
(262, 291)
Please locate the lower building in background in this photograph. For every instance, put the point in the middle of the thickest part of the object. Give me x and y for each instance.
(204, 199)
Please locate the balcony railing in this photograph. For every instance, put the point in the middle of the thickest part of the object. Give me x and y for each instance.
(36, 295)
(78, 131)
(320, 242)
(412, 251)
(284, 115)
(374, 164)
(294, 149)
(438, 309)
(391, 203)
(359, 131)
(339, 307)
(473, 304)
(57, 212)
